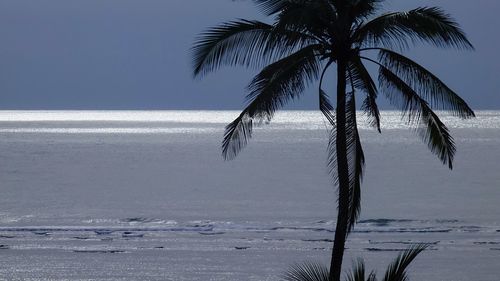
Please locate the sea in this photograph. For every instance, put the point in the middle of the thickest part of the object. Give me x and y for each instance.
(146, 195)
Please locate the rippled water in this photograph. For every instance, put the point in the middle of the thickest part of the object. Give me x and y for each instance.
(145, 195)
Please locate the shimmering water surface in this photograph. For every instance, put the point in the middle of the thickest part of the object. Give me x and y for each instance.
(145, 195)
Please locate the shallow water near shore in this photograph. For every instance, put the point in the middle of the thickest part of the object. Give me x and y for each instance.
(145, 195)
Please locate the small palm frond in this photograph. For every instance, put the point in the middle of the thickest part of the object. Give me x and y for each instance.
(236, 136)
(324, 102)
(231, 43)
(425, 83)
(310, 17)
(397, 270)
(372, 276)
(355, 157)
(243, 42)
(356, 176)
(358, 272)
(361, 9)
(271, 7)
(272, 88)
(356, 160)
(429, 126)
(282, 80)
(362, 80)
(332, 156)
(427, 24)
(307, 272)
(326, 107)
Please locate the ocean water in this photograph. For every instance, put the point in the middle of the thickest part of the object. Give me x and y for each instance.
(145, 195)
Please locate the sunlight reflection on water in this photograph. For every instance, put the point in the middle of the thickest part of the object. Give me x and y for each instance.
(165, 122)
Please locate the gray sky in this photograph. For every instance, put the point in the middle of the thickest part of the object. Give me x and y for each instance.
(134, 54)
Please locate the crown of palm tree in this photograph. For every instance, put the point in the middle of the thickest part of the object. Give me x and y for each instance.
(306, 38)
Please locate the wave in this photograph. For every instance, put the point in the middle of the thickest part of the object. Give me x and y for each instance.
(383, 250)
(207, 227)
(393, 249)
(403, 242)
(318, 240)
(47, 230)
(384, 222)
(405, 230)
(110, 130)
(99, 251)
(487, 243)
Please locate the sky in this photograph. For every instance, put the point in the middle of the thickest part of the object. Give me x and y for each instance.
(135, 54)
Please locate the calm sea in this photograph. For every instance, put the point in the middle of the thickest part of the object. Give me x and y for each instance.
(145, 195)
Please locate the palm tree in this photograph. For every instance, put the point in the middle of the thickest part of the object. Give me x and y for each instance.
(308, 37)
(396, 271)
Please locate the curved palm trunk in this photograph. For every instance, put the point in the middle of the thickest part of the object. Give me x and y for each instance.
(343, 176)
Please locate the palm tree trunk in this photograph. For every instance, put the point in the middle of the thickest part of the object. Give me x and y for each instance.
(343, 176)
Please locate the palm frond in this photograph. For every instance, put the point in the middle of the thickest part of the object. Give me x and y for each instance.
(310, 17)
(272, 88)
(425, 24)
(397, 270)
(362, 80)
(425, 83)
(355, 157)
(358, 272)
(429, 126)
(324, 102)
(326, 107)
(308, 271)
(271, 7)
(362, 9)
(372, 276)
(243, 42)
(231, 43)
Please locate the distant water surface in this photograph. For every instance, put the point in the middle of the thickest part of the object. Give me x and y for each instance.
(145, 195)
(284, 120)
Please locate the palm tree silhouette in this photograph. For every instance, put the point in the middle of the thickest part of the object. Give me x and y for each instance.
(308, 37)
